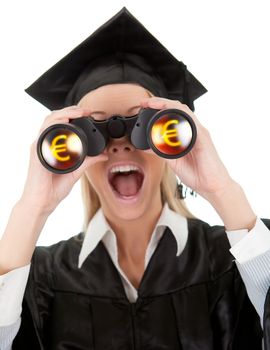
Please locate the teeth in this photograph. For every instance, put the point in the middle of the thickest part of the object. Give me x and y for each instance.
(124, 169)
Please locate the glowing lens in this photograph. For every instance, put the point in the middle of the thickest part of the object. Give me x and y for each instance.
(171, 134)
(62, 149)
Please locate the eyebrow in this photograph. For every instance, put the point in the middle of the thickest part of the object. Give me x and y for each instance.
(103, 113)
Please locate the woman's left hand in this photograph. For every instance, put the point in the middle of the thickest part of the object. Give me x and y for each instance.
(201, 169)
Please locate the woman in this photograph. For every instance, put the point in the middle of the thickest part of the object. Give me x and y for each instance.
(144, 274)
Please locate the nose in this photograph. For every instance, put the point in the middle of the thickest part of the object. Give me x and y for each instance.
(119, 146)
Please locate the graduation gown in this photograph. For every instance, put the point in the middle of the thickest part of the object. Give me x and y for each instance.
(194, 301)
(266, 321)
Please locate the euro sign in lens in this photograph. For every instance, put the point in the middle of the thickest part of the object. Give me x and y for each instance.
(62, 149)
(171, 134)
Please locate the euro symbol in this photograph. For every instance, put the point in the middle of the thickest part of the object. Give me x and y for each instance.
(168, 134)
(62, 147)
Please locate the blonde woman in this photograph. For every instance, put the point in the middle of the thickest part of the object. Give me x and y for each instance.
(144, 273)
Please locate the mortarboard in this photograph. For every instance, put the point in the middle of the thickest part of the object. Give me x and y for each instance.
(121, 50)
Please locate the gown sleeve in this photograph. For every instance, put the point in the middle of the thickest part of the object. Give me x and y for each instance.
(252, 254)
(266, 321)
(36, 303)
(234, 313)
(234, 320)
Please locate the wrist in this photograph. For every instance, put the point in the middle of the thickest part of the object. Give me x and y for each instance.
(233, 207)
(231, 187)
(34, 208)
(23, 229)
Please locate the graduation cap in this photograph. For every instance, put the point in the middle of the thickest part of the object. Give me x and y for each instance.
(121, 50)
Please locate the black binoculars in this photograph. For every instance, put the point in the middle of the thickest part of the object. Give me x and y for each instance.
(170, 133)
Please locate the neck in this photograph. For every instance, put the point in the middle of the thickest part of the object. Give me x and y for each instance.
(132, 241)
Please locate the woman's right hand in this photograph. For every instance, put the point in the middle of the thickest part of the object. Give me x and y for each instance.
(43, 189)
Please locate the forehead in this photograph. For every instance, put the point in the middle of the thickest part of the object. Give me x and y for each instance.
(123, 99)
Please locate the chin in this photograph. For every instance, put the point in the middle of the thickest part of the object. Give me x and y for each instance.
(122, 211)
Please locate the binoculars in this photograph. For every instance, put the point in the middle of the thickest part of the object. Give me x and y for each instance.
(170, 133)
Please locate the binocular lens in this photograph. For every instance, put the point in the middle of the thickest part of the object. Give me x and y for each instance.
(171, 135)
(61, 150)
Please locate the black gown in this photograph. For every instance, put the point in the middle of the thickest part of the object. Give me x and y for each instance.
(266, 321)
(196, 301)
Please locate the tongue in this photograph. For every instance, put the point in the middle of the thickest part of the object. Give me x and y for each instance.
(127, 185)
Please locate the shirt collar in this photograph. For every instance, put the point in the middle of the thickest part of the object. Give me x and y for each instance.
(99, 229)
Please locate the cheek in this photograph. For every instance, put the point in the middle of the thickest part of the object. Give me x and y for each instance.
(157, 169)
(93, 175)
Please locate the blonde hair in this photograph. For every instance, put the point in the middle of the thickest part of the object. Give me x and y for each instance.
(168, 188)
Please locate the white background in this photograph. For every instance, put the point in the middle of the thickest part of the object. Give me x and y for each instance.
(224, 44)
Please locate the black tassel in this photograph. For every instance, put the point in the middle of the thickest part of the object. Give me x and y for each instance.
(181, 192)
(193, 193)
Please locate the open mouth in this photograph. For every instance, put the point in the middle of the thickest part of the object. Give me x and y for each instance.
(126, 180)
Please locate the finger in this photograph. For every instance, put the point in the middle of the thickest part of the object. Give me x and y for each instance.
(160, 103)
(70, 113)
(149, 101)
(68, 108)
(64, 116)
(49, 122)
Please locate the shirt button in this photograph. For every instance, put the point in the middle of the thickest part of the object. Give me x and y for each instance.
(2, 285)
